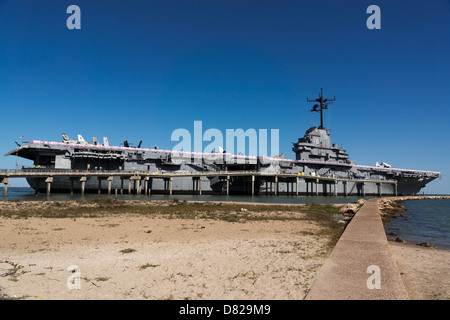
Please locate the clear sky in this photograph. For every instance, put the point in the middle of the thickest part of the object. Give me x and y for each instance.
(138, 70)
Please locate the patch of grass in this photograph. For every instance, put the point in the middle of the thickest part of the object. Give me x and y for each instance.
(128, 250)
(110, 225)
(230, 218)
(284, 251)
(148, 265)
(102, 279)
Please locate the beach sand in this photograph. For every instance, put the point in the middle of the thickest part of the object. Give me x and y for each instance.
(246, 254)
(425, 272)
(130, 256)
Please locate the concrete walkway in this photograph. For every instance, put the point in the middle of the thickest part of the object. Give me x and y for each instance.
(363, 245)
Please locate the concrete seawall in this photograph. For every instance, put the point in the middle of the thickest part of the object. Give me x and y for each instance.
(361, 266)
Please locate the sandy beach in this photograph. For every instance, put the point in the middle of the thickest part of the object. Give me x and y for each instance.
(177, 250)
(425, 272)
(155, 256)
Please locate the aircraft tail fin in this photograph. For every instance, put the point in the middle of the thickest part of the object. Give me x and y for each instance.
(80, 138)
(105, 142)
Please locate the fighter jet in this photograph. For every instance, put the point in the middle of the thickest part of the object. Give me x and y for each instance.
(127, 145)
(81, 140)
(95, 141)
(66, 139)
(383, 165)
(105, 142)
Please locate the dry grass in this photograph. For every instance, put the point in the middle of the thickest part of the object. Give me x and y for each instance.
(322, 214)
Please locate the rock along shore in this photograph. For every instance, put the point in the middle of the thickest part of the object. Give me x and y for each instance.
(393, 207)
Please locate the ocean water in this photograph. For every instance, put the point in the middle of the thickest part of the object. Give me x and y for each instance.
(425, 220)
(27, 194)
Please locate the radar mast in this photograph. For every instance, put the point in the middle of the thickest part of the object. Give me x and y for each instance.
(321, 105)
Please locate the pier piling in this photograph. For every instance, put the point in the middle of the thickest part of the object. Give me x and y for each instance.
(109, 179)
(253, 185)
(71, 187)
(83, 184)
(146, 185)
(276, 185)
(5, 182)
(99, 191)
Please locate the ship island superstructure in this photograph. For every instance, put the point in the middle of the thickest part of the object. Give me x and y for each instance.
(319, 163)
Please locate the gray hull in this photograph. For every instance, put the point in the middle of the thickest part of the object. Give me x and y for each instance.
(215, 186)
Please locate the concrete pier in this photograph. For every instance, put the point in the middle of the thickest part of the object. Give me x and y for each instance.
(361, 266)
(273, 183)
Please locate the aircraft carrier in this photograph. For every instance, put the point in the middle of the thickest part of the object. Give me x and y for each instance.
(315, 156)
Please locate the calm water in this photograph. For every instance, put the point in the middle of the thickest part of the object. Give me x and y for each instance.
(425, 220)
(27, 194)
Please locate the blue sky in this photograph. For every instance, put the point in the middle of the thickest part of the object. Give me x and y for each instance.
(141, 69)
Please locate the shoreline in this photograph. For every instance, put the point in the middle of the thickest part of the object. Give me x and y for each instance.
(423, 267)
(393, 207)
(424, 271)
